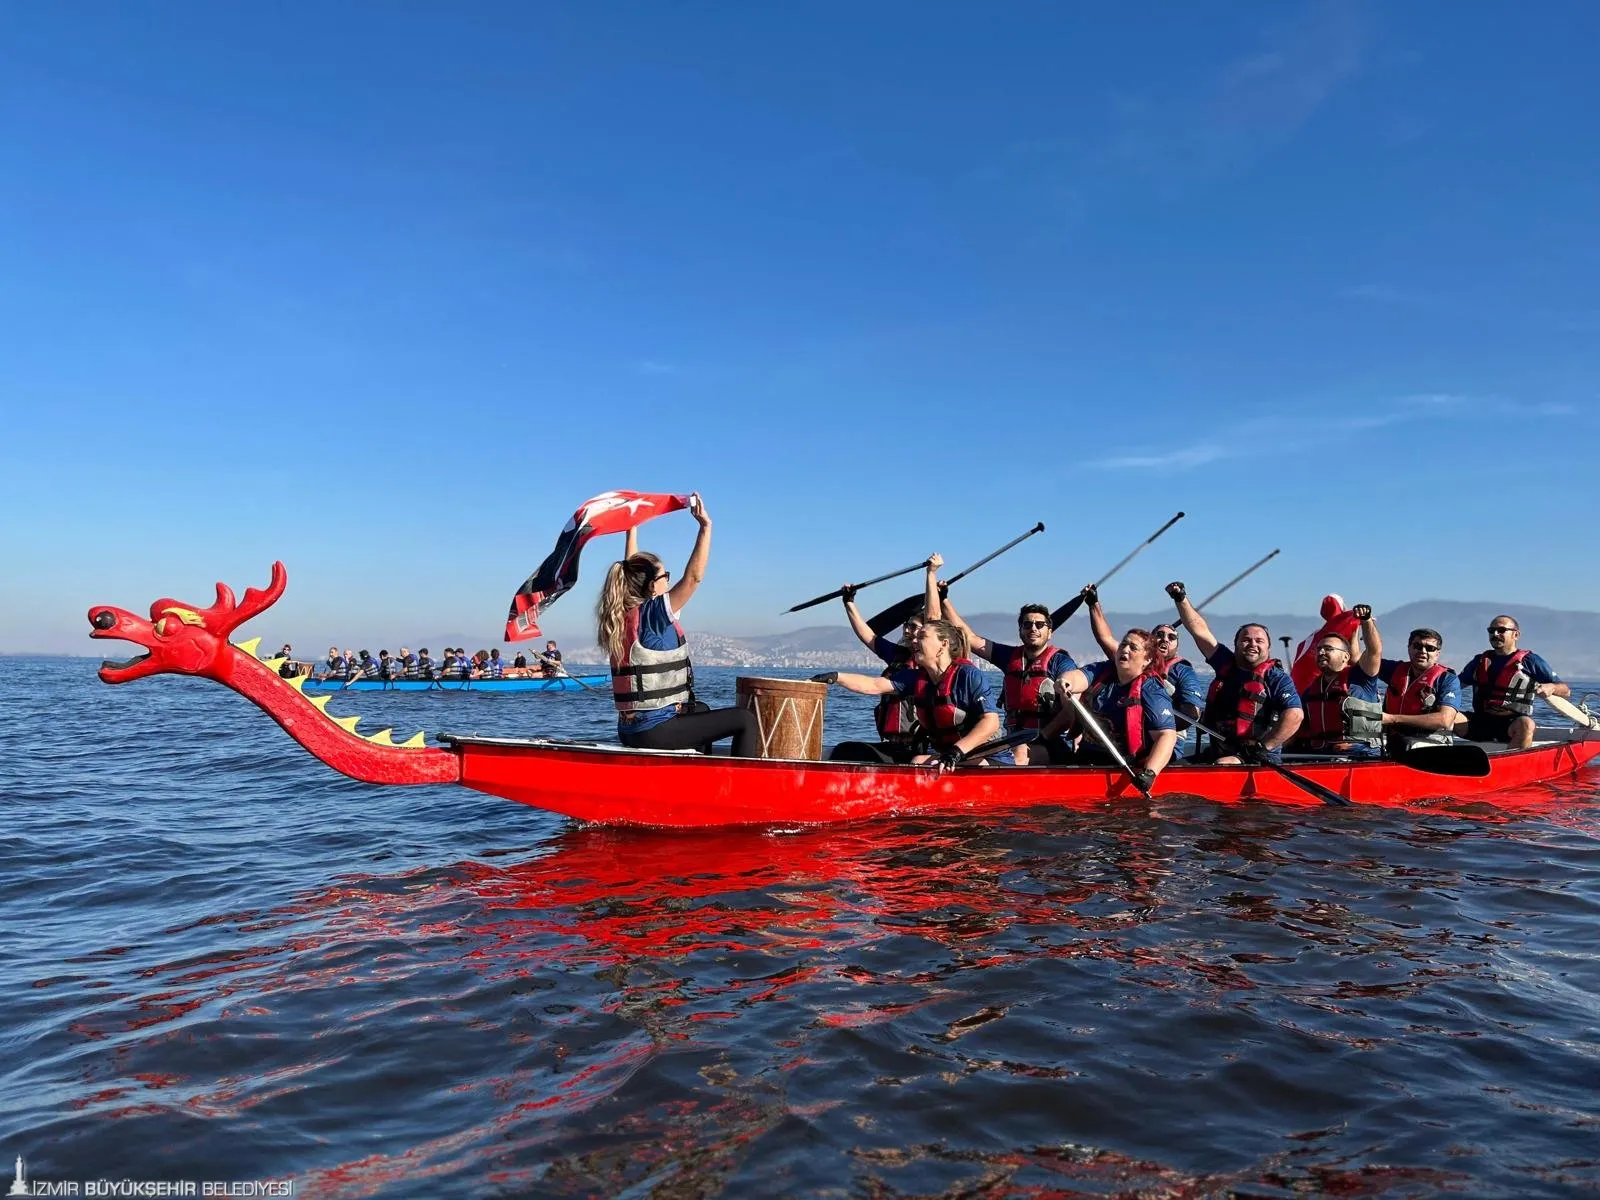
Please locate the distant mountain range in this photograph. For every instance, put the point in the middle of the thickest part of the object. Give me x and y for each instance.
(1570, 641)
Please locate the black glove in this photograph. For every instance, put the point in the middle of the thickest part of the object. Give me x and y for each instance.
(951, 758)
(1090, 594)
(1176, 590)
(1362, 612)
(826, 677)
(1143, 780)
(944, 589)
(1251, 752)
(848, 593)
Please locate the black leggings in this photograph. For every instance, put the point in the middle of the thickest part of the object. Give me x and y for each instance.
(696, 731)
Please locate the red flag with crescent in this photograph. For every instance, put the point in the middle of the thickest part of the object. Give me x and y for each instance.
(609, 512)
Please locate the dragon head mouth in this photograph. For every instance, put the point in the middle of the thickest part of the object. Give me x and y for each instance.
(178, 638)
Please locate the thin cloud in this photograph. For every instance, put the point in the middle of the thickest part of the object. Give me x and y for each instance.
(1188, 456)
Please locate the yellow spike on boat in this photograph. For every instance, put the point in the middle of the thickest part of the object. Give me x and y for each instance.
(320, 701)
(348, 724)
(273, 663)
(413, 743)
(382, 737)
(297, 682)
(250, 647)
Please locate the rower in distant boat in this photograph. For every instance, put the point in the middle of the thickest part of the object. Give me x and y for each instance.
(1252, 700)
(1343, 713)
(520, 662)
(335, 666)
(895, 715)
(1031, 693)
(652, 678)
(426, 669)
(955, 707)
(1177, 675)
(1127, 696)
(550, 661)
(1504, 683)
(388, 668)
(1422, 697)
(494, 667)
(408, 663)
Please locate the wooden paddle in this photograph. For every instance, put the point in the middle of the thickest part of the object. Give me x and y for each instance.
(1326, 795)
(895, 615)
(1064, 613)
(1093, 726)
(834, 595)
(1569, 710)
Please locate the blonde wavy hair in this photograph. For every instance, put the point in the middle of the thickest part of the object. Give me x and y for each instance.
(627, 585)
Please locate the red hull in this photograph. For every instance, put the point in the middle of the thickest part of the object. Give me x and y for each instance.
(621, 787)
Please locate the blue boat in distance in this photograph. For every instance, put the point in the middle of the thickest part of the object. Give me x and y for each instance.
(560, 683)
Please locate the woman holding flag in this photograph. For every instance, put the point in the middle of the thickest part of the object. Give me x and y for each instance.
(652, 680)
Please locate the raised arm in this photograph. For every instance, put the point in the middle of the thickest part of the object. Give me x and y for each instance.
(695, 571)
(631, 546)
(1097, 621)
(976, 642)
(930, 587)
(1204, 640)
(858, 624)
(1371, 660)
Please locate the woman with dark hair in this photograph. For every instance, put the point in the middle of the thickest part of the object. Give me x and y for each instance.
(1177, 675)
(1127, 697)
(652, 679)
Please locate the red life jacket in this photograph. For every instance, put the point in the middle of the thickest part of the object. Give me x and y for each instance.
(942, 722)
(1028, 703)
(1413, 697)
(896, 716)
(1235, 697)
(1128, 731)
(1511, 689)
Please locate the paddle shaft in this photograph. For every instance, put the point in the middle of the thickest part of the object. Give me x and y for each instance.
(1104, 738)
(1010, 742)
(1326, 795)
(1064, 613)
(1242, 575)
(835, 594)
(897, 612)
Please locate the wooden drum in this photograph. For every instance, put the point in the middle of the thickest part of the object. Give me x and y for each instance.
(788, 714)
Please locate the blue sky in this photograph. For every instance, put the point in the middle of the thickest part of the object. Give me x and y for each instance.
(384, 291)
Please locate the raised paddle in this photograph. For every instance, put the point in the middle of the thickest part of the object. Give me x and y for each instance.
(897, 613)
(1104, 738)
(1237, 579)
(1064, 613)
(1326, 795)
(834, 595)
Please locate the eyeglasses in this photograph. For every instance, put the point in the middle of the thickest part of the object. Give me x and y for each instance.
(660, 577)
(1166, 636)
(1494, 629)
(1033, 624)
(1425, 647)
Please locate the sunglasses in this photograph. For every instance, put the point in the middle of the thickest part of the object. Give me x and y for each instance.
(660, 577)
(1425, 647)
(1166, 636)
(1494, 629)
(1033, 624)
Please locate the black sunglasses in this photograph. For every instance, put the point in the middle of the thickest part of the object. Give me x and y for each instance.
(1494, 629)
(1033, 624)
(1427, 647)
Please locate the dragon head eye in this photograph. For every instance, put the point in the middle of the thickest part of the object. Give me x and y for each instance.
(105, 619)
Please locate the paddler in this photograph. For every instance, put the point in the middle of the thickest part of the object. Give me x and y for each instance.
(1423, 696)
(1032, 671)
(1177, 675)
(652, 679)
(335, 666)
(895, 716)
(1504, 682)
(1252, 701)
(550, 661)
(1133, 707)
(954, 705)
(1343, 713)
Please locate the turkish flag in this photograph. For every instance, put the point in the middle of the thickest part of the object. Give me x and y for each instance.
(609, 512)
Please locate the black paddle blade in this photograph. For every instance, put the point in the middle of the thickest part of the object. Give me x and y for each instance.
(896, 614)
(1064, 613)
(1461, 759)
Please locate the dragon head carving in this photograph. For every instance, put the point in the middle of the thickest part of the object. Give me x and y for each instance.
(179, 638)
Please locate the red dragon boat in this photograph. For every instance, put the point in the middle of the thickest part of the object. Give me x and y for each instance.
(609, 784)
